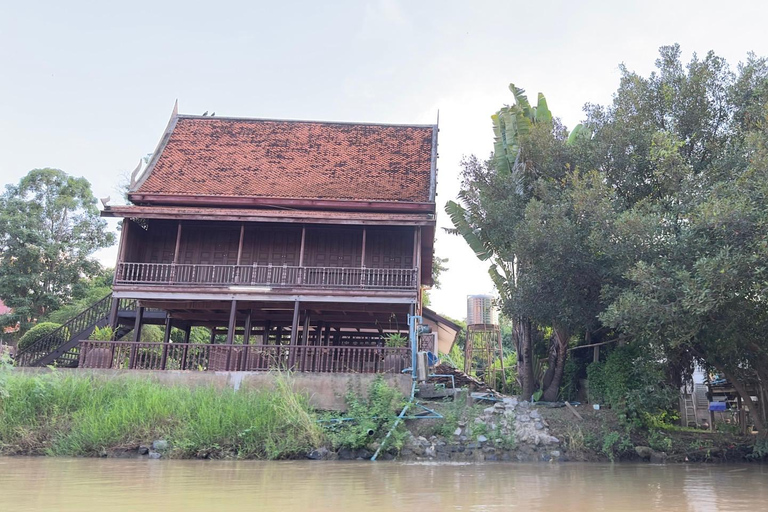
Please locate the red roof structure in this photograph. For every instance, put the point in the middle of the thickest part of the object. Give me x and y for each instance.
(214, 161)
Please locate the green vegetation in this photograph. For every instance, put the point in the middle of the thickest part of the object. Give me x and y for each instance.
(49, 228)
(76, 415)
(35, 333)
(368, 420)
(645, 226)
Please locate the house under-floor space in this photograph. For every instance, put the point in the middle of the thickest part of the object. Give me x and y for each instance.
(247, 335)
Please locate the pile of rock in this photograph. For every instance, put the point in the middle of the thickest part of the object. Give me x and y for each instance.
(508, 430)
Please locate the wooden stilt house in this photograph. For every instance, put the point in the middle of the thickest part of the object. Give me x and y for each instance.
(297, 244)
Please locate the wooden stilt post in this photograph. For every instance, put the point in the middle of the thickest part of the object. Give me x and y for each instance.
(304, 340)
(113, 313)
(294, 335)
(136, 334)
(166, 340)
(244, 362)
(187, 333)
(231, 331)
(247, 332)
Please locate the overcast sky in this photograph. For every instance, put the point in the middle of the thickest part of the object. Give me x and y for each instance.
(88, 87)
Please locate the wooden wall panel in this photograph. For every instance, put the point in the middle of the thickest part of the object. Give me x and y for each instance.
(389, 248)
(333, 247)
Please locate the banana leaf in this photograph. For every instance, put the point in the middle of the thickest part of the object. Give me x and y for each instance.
(457, 214)
(543, 115)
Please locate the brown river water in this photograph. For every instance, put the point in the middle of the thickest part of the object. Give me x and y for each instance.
(96, 485)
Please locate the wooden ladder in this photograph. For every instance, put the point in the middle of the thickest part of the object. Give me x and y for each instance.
(689, 410)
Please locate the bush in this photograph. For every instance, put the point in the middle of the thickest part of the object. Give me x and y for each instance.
(632, 384)
(369, 419)
(35, 333)
(102, 334)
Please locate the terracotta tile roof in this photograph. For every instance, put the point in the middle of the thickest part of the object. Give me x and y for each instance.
(233, 157)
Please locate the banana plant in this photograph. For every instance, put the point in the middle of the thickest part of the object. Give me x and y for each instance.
(511, 123)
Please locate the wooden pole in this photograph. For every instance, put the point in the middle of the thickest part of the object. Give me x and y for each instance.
(301, 249)
(166, 340)
(113, 313)
(178, 244)
(240, 244)
(187, 333)
(231, 331)
(294, 334)
(136, 334)
(247, 332)
(305, 339)
(362, 257)
(123, 241)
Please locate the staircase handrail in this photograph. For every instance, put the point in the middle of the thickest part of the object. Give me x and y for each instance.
(72, 327)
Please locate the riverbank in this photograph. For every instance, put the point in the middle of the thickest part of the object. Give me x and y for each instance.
(69, 413)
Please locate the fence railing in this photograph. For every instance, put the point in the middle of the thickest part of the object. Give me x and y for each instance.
(267, 275)
(219, 357)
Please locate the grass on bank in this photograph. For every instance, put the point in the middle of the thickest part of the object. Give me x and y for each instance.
(77, 415)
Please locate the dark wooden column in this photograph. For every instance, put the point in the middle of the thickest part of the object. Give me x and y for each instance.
(301, 249)
(417, 264)
(187, 333)
(231, 331)
(178, 244)
(304, 340)
(166, 340)
(232, 322)
(362, 252)
(123, 241)
(240, 245)
(138, 322)
(247, 331)
(113, 313)
(294, 335)
(136, 333)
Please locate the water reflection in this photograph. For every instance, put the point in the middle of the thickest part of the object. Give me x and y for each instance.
(90, 485)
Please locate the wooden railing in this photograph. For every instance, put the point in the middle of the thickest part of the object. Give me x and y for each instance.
(198, 357)
(80, 325)
(266, 275)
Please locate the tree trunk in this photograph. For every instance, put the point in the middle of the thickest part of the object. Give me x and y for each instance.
(524, 360)
(561, 338)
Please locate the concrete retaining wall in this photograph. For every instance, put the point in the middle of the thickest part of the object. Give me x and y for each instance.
(325, 390)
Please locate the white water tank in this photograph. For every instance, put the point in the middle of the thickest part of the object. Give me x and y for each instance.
(480, 310)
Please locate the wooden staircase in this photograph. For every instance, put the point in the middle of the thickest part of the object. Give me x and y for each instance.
(60, 347)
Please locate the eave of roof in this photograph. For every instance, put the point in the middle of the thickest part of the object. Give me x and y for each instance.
(270, 215)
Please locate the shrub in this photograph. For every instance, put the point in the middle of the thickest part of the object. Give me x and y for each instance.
(102, 334)
(369, 418)
(395, 340)
(35, 333)
(632, 384)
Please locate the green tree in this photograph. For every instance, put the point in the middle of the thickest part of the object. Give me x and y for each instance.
(684, 151)
(520, 211)
(49, 228)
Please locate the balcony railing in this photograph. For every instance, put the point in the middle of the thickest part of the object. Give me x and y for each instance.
(267, 275)
(130, 355)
